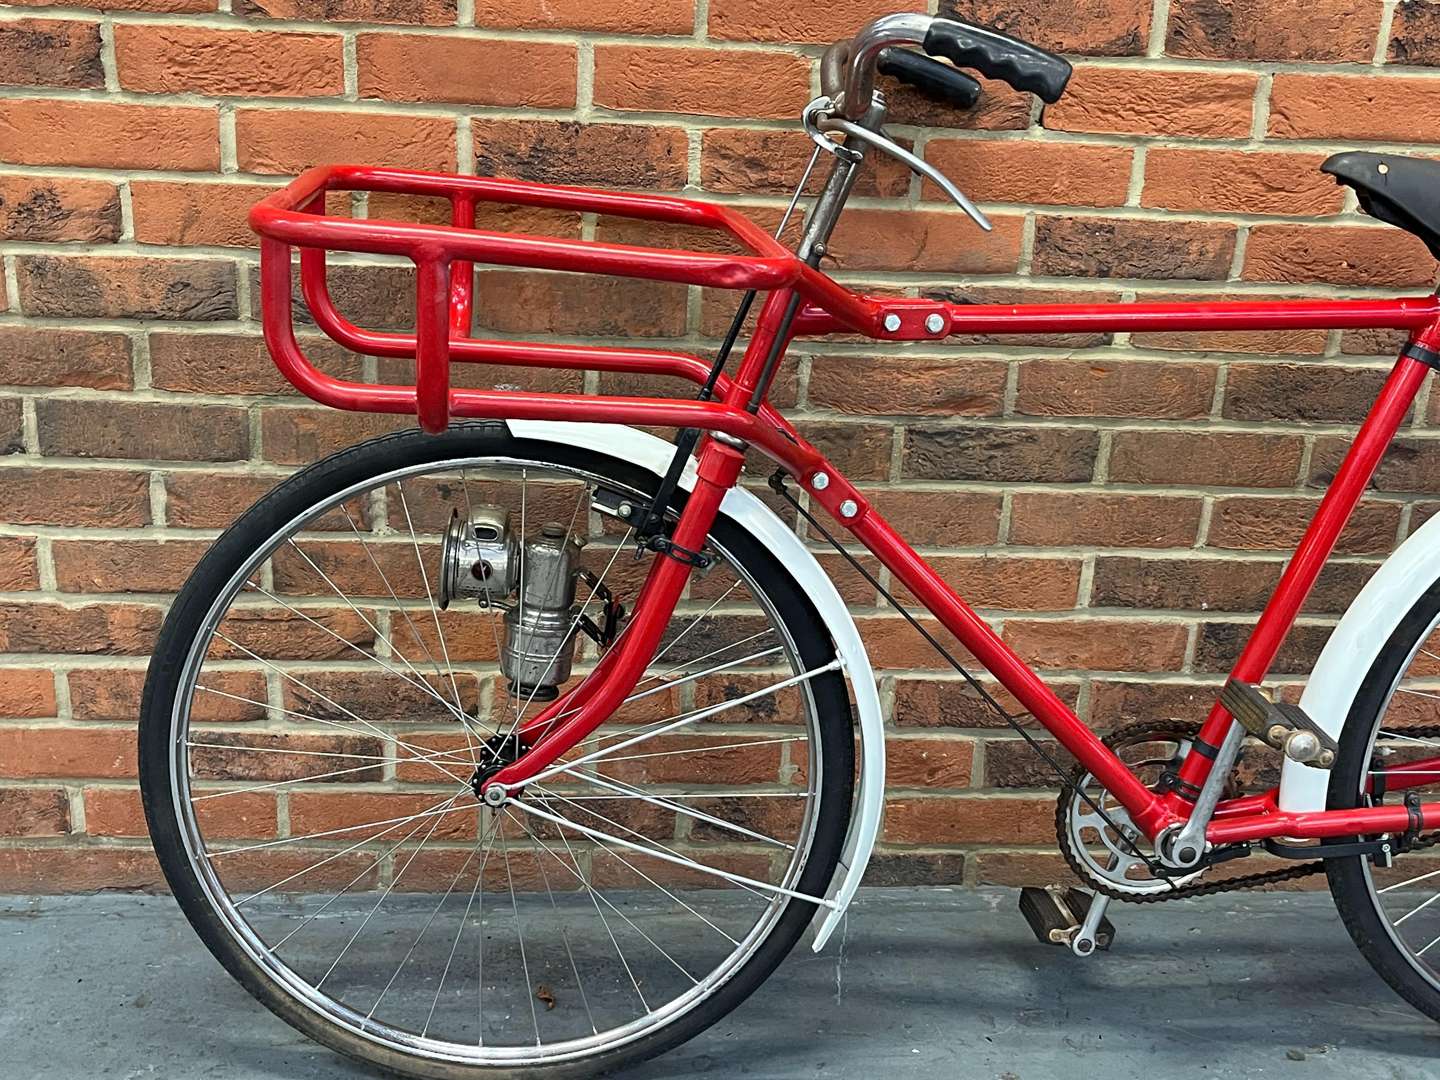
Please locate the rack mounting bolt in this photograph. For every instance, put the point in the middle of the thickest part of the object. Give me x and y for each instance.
(820, 481)
(934, 322)
(892, 322)
(848, 509)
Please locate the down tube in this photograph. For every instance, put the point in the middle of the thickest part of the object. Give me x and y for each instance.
(1000, 660)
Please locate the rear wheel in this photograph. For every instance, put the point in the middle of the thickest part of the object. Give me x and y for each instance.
(314, 721)
(1393, 913)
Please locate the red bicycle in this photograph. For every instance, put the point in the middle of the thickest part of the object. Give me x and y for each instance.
(530, 746)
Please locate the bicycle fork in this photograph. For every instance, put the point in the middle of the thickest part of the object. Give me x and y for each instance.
(572, 717)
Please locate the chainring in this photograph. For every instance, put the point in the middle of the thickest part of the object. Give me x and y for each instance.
(1107, 862)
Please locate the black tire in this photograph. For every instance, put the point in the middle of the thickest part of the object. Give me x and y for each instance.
(1351, 882)
(375, 457)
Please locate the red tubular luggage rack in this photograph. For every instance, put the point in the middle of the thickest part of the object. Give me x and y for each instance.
(444, 257)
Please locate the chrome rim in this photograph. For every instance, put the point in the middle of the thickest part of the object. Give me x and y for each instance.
(624, 888)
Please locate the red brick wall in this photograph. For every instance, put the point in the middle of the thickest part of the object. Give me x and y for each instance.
(1120, 503)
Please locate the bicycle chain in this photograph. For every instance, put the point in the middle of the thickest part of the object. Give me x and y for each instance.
(1210, 888)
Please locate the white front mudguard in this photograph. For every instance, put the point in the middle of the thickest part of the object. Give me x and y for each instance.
(760, 521)
(1352, 649)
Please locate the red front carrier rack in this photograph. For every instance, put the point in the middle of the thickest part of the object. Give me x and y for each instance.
(444, 257)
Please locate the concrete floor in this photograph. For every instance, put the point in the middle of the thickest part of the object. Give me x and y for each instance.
(929, 983)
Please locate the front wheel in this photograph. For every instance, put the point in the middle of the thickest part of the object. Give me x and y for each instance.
(325, 693)
(1393, 913)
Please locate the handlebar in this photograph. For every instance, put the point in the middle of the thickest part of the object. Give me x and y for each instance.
(849, 67)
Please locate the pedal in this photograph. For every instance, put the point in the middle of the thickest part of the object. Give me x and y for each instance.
(1279, 724)
(1062, 916)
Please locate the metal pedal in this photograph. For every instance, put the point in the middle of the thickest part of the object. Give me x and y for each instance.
(1279, 724)
(1069, 917)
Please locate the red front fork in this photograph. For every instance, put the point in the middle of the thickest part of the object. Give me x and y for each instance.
(568, 720)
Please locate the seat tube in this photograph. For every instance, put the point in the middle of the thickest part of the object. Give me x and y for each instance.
(1374, 437)
(718, 469)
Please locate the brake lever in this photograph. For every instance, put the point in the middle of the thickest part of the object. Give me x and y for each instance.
(825, 123)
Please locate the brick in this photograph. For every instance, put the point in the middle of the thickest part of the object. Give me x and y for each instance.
(229, 756)
(1116, 388)
(919, 240)
(135, 429)
(709, 82)
(928, 763)
(292, 140)
(12, 426)
(312, 813)
(969, 820)
(1189, 584)
(212, 215)
(566, 152)
(34, 811)
(233, 364)
(51, 52)
(1100, 520)
(971, 518)
(1409, 464)
(52, 208)
(1377, 341)
(1323, 31)
(425, 67)
(113, 695)
(519, 302)
(170, 59)
(118, 812)
(34, 496)
(44, 357)
(1341, 255)
(1205, 459)
(1094, 27)
(413, 12)
(300, 436)
(1004, 455)
(1415, 33)
(91, 629)
(903, 868)
(1300, 392)
(951, 702)
(1373, 108)
(759, 161)
(1113, 703)
(615, 16)
(1009, 294)
(1011, 763)
(1132, 248)
(908, 385)
(53, 870)
(1239, 181)
(211, 500)
(1197, 104)
(1098, 644)
(860, 451)
(65, 752)
(26, 693)
(18, 569)
(1251, 523)
(1057, 174)
(117, 566)
(819, 24)
(1218, 645)
(1009, 583)
(122, 286)
(173, 7)
(999, 109)
(107, 135)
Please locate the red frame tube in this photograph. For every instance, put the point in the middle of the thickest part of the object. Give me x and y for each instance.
(444, 258)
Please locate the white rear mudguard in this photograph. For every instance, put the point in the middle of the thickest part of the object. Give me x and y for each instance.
(1353, 646)
(760, 521)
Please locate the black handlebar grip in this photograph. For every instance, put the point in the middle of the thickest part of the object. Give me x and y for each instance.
(998, 56)
(932, 78)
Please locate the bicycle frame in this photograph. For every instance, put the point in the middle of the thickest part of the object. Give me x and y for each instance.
(801, 301)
